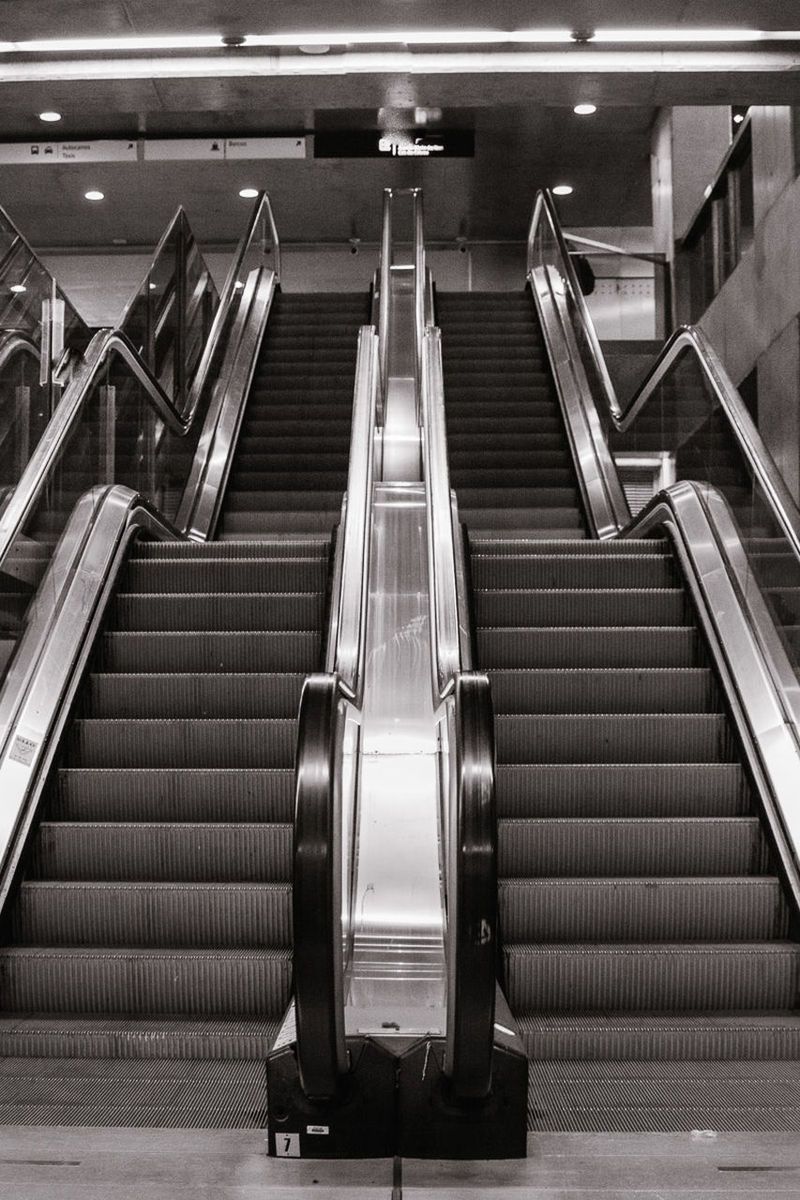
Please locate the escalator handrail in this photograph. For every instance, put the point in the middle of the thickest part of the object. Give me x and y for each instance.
(689, 337)
(317, 890)
(46, 668)
(472, 896)
(262, 208)
(471, 855)
(346, 640)
(66, 417)
(204, 492)
(749, 654)
(11, 341)
(20, 242)
(758, 457)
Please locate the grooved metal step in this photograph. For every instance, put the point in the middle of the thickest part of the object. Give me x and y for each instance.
(615, 737)
(653, 976)
(645, 846)
(184, 852)
(641, 909)
(224, 696)
(154, 914)
(155, 742)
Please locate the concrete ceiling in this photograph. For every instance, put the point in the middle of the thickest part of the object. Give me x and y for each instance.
(526, 134)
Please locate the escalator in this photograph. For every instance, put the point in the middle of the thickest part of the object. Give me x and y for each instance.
(649, 953)
(148, 947)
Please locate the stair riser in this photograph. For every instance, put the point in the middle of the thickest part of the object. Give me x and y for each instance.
(175, 696)
(181, 853)
(619, 910)
(648, 847)
(246, 984)
(172, 743)
(617, 739)
(155, 917)
(653, 978)
(177, 794)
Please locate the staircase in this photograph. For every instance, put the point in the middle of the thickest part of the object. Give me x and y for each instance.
(648, 952)
(293, 451)
(509, 455)
(148, 955)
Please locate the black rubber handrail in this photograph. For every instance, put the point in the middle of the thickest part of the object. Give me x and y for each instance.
(472, 915)
(316, 896)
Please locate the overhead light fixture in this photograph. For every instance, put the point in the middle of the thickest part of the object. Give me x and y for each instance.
(585, 110)
(563, 189)
(238, 285)
(50, 115)
(248, 193)
(18, 287)
(320, 41)
(738, 118)
(94, 194)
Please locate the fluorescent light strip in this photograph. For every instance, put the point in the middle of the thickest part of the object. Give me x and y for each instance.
(409, 37)
(275, 66)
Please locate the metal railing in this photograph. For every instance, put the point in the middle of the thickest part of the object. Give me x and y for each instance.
(126, 401)
(687, 408)
(329, 713)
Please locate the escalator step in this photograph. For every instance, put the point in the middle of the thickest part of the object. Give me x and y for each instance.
(173, 794)
(641, 910)
(181, 852)
(216, 651)
(581, 607)
(558, 520)
(649, 1097)
(716, 1037)
(136, 981)
(588, 550)
(280, 548)
(106, 1037)
(176, 1094)
(571, 570)
(307, 504)
(215, 575)
(603, 646)
(153, 914)
(564, 690)
(615, 737)
(169, 742)
(236, 524)
(653, 976)
(621, 790)
(199, 611)
(218, 695)
(568, 846)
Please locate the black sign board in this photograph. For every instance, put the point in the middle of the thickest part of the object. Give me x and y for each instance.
(406, 143)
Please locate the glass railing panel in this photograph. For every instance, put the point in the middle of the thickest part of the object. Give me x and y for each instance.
(24, 406)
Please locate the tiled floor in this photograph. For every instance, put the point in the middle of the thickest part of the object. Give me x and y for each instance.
(99, 1164)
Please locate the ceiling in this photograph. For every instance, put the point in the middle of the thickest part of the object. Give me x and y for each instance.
(526, 134)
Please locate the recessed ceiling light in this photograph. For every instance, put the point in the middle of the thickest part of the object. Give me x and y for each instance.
(18, 287)
(585, 110)
(563, 189)
(314, 48)
(248, 193)
(238, 284)
(738, 118)
(50, 115)
(94, 194)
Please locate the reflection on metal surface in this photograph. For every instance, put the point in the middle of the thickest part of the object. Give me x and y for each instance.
(395, 978)
(757, 676)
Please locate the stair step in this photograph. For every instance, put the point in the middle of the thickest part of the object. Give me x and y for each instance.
(194, 695)
(642, 910)
(248, 650)
(199, 611)
(108, 1041)
(540, 571)
(582, 607)
(198, 742)
(197, 575)
(662, 1039)
(584, 690)
(153, 914)
(647, 846)
(655, 977)
(173, 794)
(614, 737)
(166, 852)
(621, 790)
(627, 646)
(137, 981)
